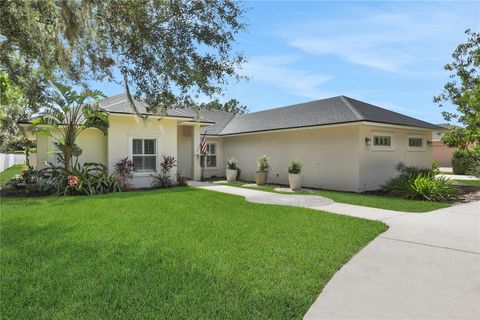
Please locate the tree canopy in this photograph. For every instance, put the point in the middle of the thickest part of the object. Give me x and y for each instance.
(463, 91)
(169, 52)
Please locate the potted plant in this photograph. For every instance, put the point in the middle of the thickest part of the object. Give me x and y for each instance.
(232, 169)
(295, 174)
(261, 174)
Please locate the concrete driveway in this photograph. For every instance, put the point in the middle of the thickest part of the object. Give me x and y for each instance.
(426, 266)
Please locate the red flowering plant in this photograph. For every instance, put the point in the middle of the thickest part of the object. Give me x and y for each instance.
(73, 181)
(123, 171)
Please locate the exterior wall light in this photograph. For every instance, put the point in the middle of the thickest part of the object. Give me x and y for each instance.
(429, 143)
(368, 141)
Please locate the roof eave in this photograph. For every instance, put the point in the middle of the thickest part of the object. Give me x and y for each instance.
(359, 122)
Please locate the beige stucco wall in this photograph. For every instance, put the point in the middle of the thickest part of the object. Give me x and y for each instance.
(185, 151)
(328, 155)
(124, 128)
(377, 166)
(92, 142)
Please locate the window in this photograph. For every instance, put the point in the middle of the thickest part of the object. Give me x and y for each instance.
(415, 142)
(382, 141)
(144, 155)
(211, 156)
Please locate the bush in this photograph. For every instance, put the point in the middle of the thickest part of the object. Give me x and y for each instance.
(474, 168)
(262, 164)
(420, 184)
(91, 178)
(422, 187)
(461, 161)
(163, 179)
(124, 169)
(294, 167)
(413, 170)
(232, 164)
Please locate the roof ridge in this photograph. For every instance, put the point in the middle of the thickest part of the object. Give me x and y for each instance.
(226, 124)
(391, 111)
(293, 105)
(351, 107)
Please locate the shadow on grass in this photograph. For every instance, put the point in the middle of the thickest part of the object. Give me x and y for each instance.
(61, 200)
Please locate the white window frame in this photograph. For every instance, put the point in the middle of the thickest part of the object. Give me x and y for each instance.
(157, 152)
(416, 136)
(215, 154)
(391, 147)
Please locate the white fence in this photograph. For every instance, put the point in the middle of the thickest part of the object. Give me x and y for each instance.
(9, 159)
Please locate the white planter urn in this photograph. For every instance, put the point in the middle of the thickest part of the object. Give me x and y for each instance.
(231, 175)
(295, 181)
(261, 177)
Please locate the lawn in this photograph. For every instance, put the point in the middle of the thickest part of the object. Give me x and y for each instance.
(366, 200)
(180, 253)
(9, 173)
(470, 183)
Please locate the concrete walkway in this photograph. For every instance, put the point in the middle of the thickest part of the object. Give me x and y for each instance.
(426, 266)
(458, 176)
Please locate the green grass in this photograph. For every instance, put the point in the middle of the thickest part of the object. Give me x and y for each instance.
(180, 253)
(9, 173)
(366, 200)
(471, 183)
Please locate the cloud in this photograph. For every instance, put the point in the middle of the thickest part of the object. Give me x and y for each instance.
(280, 71)
(398, 41)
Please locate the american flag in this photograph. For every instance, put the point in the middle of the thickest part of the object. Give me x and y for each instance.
(203, 143)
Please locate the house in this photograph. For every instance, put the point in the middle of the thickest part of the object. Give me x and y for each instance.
(344, 144)
(440, 152)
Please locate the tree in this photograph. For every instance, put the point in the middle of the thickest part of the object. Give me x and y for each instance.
(69, 113)
(463, 91)
(169, 51)
(12, 109)
(232, 106)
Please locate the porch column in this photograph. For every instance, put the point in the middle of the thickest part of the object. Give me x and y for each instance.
(196, 168)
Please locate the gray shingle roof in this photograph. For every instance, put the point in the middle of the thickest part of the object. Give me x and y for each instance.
(221, 119)
(334, 110)
(120, 104)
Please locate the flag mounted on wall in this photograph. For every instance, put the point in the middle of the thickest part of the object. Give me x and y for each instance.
(203, 144)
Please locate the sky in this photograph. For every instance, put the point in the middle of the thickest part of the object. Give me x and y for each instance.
(387, 53)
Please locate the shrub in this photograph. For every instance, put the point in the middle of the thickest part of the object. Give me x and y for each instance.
(474, 168)
(91, 178)
(163, 179)
(232, 164)
(461, 161)
(262, 164)
(435, 166)
(294, 167)
(124, 169)
(422, 187)
(420, 184)
(29, 174)
(413, 170)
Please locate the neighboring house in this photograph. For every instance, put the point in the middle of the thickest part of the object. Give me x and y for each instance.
(344, 144)
(440, 152)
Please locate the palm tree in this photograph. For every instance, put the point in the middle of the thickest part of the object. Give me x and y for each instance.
(69, 113)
